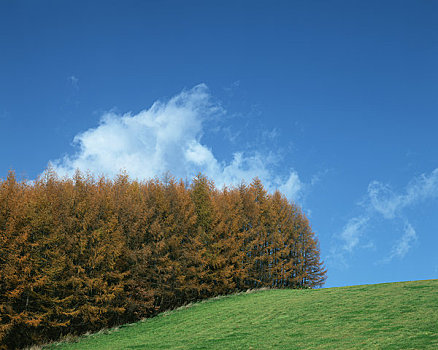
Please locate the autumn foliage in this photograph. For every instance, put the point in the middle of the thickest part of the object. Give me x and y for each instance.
(80, 254)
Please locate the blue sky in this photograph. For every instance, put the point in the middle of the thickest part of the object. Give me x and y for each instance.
(333, 102)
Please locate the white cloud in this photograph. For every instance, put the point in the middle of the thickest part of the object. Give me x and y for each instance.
(388, 203)
(168, 137)
(404, 244)
(382, 201)
(74, 81)
(352, 231)
(347, 241)
(292, 187)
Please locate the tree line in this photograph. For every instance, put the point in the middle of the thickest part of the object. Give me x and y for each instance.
(83, 253)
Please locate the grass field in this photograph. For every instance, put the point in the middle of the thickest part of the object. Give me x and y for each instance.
(383, 316)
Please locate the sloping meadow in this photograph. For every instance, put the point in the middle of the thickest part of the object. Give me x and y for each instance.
(385, 316)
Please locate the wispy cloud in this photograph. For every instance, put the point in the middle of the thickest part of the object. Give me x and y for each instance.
(347, 241)
(168, 137)
(352, 232)
(388, 203)
(232, 87)
(73, 81)
(381, 201)
(401, 248)
(292, 187)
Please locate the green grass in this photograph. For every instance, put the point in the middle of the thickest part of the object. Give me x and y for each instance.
(400, 315)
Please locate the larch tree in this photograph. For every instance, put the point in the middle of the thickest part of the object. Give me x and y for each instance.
(78, 254)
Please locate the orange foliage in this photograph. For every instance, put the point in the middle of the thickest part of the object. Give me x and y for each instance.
(81, 254)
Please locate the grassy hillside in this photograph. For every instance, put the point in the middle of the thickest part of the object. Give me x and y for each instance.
(384, 316)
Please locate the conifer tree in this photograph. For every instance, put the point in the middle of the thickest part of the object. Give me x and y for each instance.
(79, 254)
